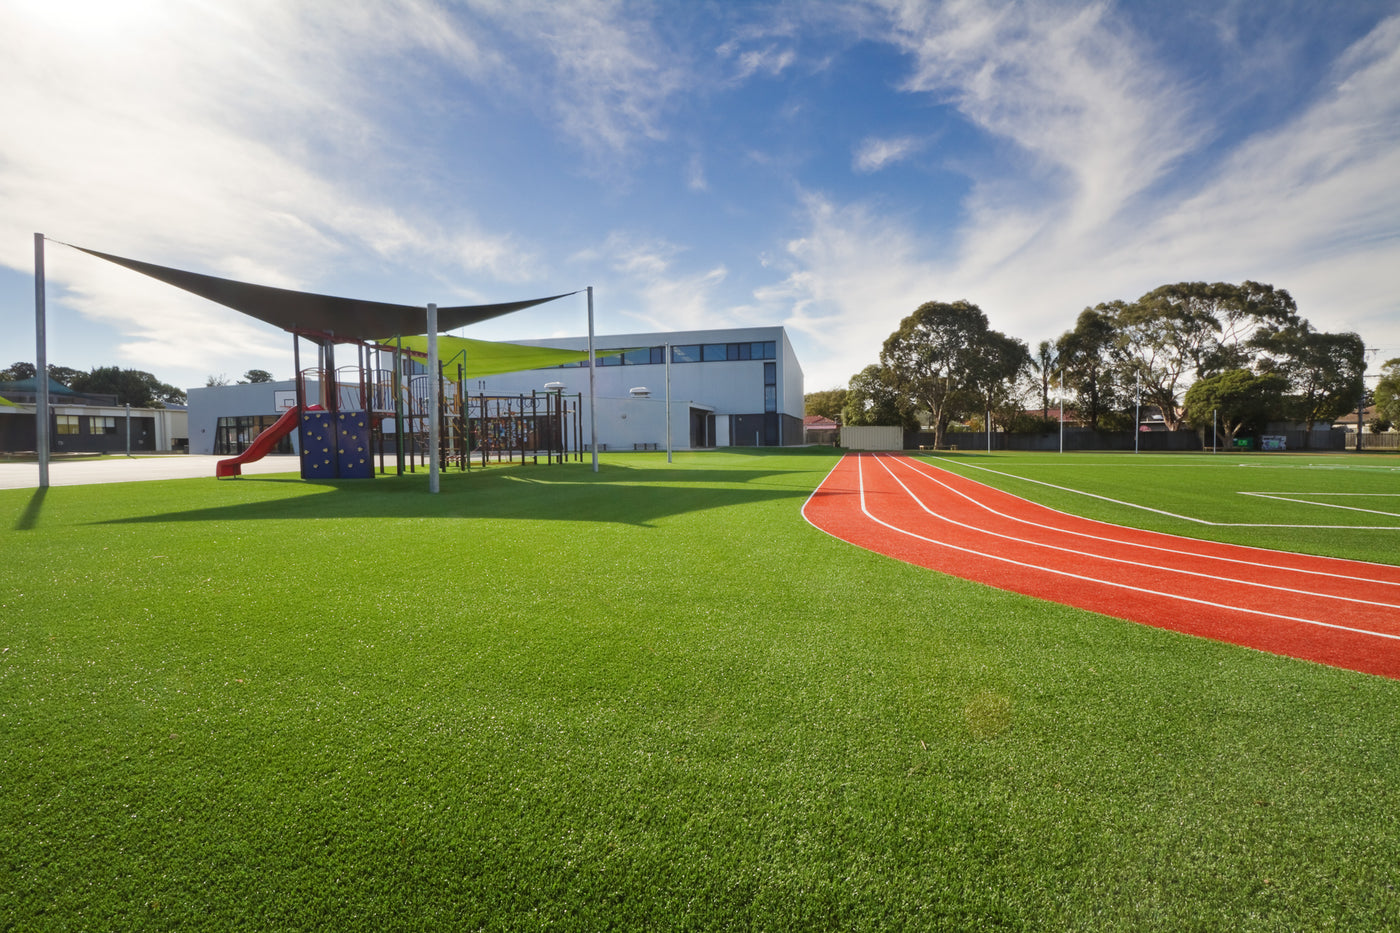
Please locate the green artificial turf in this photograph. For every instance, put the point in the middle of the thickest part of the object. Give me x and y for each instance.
(650, 698)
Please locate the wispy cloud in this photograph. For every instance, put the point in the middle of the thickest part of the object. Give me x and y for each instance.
(609, 76)
(1072, 88)
(695, 178)
(229, 139)
(874, 154)
(655, 291)
(770, 60)
(1103, 213)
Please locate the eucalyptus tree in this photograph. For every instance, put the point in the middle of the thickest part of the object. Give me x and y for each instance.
(1324, 371)
(1387, 394)
(1233, 400)
(825, 402)
(1086, 361)
(1159, 343)
(1242, 311)
(946, 360)
(1044, 366)
(133, 387)
(1179, 333)
(871, 400)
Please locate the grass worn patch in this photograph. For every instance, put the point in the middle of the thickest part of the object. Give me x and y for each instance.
(647, 698)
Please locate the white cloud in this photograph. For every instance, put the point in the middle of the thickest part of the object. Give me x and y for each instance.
(852, 275)
(695, 178)
(609, 77)
(771, 61)
(1309, 206)
(1072, 88)
(874, 154)
(646, 286)
(228, 139)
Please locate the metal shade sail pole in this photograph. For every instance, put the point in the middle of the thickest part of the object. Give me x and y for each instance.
(592, 385)
(433, 478)
(41, 366)
(668, 403)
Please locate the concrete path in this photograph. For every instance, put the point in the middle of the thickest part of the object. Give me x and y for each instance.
(123, 469)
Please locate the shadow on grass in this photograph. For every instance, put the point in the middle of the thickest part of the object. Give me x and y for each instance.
(30, 516)
(628, 495)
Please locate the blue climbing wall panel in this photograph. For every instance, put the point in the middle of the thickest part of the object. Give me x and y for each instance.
(353, 458)
(318, 445)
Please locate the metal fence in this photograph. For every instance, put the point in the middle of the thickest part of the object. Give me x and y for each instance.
(1080, 439)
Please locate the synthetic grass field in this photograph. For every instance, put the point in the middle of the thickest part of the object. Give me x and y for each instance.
(655, 698)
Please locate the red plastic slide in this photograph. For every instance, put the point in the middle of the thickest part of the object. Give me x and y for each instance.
(263, 443)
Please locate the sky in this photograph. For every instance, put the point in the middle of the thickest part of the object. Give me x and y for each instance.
(824, 166)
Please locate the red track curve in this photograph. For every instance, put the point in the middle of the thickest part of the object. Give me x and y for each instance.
(1337, 612)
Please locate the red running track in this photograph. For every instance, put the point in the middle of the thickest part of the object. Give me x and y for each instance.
(1337, 612)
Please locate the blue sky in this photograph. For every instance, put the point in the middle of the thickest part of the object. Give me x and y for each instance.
(824, 166)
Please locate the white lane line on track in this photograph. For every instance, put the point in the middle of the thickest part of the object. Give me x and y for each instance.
(1075, 576)
(1184, 549)
(1184, 518)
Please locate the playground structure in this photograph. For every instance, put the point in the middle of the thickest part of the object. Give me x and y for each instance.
(340, 436)
(374, 415)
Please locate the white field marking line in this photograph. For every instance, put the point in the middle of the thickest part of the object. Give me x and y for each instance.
(1369, 468)
(1121, 586)
(1238, 581)
(1185, 518)
(1187, 543)
(1284, 497)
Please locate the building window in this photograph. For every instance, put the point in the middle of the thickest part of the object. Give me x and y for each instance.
(770, 386)
(102, 425)
(65, 424)
(724, 352)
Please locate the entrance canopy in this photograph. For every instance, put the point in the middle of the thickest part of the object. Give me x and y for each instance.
(341, 320)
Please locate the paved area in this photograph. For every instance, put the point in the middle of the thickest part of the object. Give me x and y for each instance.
(123, 469)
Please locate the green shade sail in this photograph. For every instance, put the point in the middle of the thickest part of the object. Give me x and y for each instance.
(482, 358)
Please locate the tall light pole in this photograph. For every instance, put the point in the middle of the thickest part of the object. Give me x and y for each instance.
(41, 367)
(1137, 415)
(668, 402)
(1062, 411)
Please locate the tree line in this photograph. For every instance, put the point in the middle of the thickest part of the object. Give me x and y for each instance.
(133, 387)
(1233, 355)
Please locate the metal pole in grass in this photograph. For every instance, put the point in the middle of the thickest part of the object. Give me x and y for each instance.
(668, 403)
(1360, 413)
(592, 384)
(433, 374)
(1214, 437)
(41, 367)
(1137, 416)
(128, 429)
(1062, 411)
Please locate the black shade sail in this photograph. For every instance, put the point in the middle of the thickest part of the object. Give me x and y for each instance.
(338, 319)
